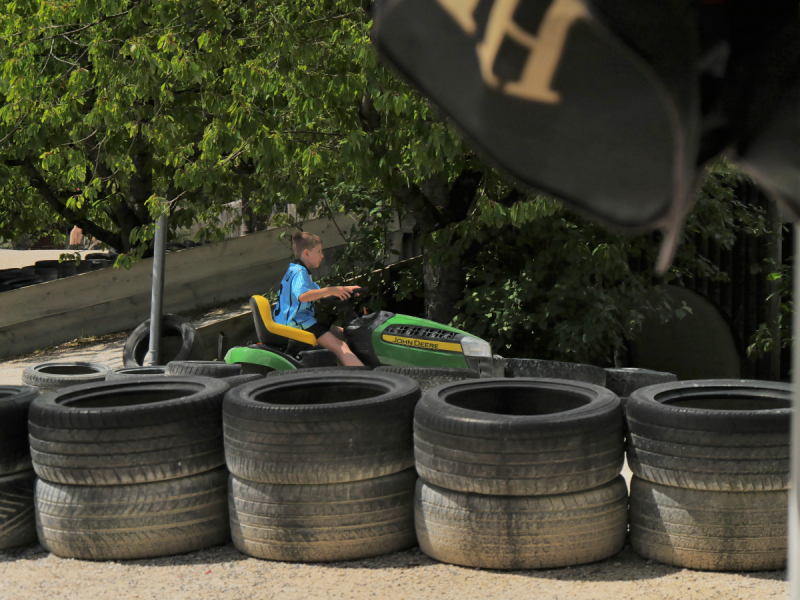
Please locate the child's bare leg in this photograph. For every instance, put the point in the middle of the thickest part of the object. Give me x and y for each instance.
(338, 332)
(342, 351)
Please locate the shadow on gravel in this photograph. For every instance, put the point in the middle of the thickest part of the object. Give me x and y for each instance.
(25, 553)
(210, 556)
(767, 575)
(398, 560)
(625, 566)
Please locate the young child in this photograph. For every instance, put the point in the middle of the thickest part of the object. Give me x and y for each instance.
(298, 292)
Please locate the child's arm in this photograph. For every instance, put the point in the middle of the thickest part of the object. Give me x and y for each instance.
(343, 292)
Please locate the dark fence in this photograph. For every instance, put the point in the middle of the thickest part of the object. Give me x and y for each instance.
(743, 298)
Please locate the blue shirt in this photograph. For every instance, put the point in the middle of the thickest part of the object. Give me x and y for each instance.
(288, 309)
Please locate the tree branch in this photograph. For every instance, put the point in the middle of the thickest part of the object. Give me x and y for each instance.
(38, 183)
(424, 212)
(462, 193)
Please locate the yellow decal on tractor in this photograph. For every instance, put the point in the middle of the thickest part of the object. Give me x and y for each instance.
(422, 344)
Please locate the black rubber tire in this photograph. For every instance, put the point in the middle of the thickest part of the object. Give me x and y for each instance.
(15, 400)
(712, 531)
(317, 370)
(429, 377)
(9, 274)
(172, 326)
(134, 430)
(19, 282)
(56, 375)
(133, 521)
(17, 522)
(46, 273)
(64, 269)
(235, 381)
(510, 437)
(67, 269)
(152, 371)
(204, 368)
(623, 382)
(316, 523)
(318, 428)
(553, 369)
(724, 435)
(102, 264)
(511, 532)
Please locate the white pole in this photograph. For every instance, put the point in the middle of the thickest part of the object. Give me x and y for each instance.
(793, 562)
(157, 297)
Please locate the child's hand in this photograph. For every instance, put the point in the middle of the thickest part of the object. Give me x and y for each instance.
(341, 292)
(350, 288)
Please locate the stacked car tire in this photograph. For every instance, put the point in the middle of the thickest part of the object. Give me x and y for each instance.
(554, 369)
(321, 465)
(710, 460)
(519, 473)
(428, 377)
(56, 375)
(50, 270)
(624, 381)
(130, 468)
(17, 525)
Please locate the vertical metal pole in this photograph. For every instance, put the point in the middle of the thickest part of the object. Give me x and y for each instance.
(157, 298)
(793, 562)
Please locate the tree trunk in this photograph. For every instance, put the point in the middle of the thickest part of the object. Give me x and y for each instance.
(434, 206)
(444, 286)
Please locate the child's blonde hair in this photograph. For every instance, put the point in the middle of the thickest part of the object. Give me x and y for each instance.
(302, 240)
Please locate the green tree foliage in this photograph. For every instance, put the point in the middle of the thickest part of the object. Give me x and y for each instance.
(543, 282)
(113, 112)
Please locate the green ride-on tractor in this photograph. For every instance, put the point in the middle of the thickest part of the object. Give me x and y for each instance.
(381, 338)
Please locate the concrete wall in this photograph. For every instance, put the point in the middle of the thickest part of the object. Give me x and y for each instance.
(112, 300)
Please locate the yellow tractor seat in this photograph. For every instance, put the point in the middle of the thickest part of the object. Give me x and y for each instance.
(266, 325)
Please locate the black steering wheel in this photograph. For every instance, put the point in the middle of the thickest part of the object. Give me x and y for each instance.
(345, 307)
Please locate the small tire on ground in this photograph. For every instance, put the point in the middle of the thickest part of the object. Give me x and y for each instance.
(133, 521)
(712, 531)
(316, 523)
(511, 532)
(623, 382)
(15, 400)
(204, 368)
(518, 437)
(155, 370)
(17, 522)
(317, 428)
(429, 377)
(179, 341)
(553, 369)
(56, 375)
(714, 434)
(133, 430)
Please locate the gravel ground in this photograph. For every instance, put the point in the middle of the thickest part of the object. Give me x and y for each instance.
(223, 572)
(106, 350)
